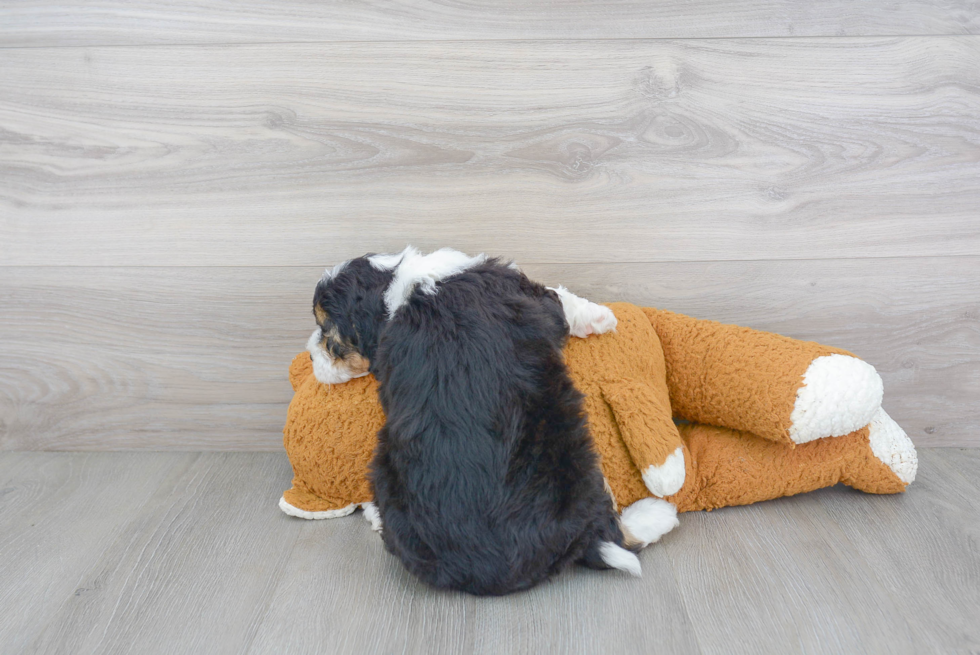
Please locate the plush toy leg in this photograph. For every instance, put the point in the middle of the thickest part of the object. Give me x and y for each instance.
(737, 468)
(647, 429)
(890, 446)
(775, 387)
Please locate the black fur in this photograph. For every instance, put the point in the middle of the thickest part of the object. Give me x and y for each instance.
(485, 475)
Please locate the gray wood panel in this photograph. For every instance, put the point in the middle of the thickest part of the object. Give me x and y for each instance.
(205, 562)
(107, 22)
(572, 151)
(57, 516)
(938, 554)
(580, 613)
(800, 584)
(206, 551)
(195, 358)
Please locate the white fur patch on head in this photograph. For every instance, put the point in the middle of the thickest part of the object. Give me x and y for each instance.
(584, 317)
(331, 273)
(648, 519)
(840, 394)
(413, 269)
(372, 515)
(892, 446)
(385, 261)
(325, 368)
(668, 478)
(292, 510)
(620, 558)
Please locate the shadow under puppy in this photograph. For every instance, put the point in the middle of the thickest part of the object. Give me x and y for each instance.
(485, 477)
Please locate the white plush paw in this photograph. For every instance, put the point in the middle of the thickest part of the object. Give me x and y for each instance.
(668, 478)
(891, 445)
(372, 515)
(584, 317)
(292, 510)
(840, 394)
(648, 519)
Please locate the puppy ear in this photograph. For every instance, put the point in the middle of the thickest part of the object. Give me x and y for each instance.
(320, 313)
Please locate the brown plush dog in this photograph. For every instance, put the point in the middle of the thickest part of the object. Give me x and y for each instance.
(762, 416)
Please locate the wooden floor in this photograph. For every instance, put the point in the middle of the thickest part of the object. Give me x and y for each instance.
(188, 553)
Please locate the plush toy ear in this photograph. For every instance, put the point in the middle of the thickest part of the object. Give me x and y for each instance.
(645, 423)
(300, 369)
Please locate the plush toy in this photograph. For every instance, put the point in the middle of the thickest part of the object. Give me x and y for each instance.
(760, 416)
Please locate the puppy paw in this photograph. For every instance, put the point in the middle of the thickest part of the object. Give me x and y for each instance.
(584, 317)
(599, 319)
(372, 515)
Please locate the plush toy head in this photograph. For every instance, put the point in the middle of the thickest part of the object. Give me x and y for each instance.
(330, 436)
(629, 386)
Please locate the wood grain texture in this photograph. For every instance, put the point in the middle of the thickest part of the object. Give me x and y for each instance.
(195, 358)
(115, 22)
(579, 613)
(799, 585)
(196, 572)
(588, 151)
(344, 616)
(205, 562)
(57, 516)
(938, 554)
(964, 462)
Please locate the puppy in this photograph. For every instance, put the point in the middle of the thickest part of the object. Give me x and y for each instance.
(485, 478)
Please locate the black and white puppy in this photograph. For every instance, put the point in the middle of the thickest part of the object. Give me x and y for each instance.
(485, 477)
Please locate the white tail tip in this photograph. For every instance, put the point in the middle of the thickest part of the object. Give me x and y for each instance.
(620, 558)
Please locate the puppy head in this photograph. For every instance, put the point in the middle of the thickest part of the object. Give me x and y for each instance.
(350, 312)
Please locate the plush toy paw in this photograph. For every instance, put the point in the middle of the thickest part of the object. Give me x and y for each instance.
(668, 478)
(584, 317)
(892, 446)
(840, 394)
(292, 510)
(648, 519)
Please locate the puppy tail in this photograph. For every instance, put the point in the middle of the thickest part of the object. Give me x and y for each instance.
(612, 556)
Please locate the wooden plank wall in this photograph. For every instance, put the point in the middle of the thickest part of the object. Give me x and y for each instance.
(174, 176)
